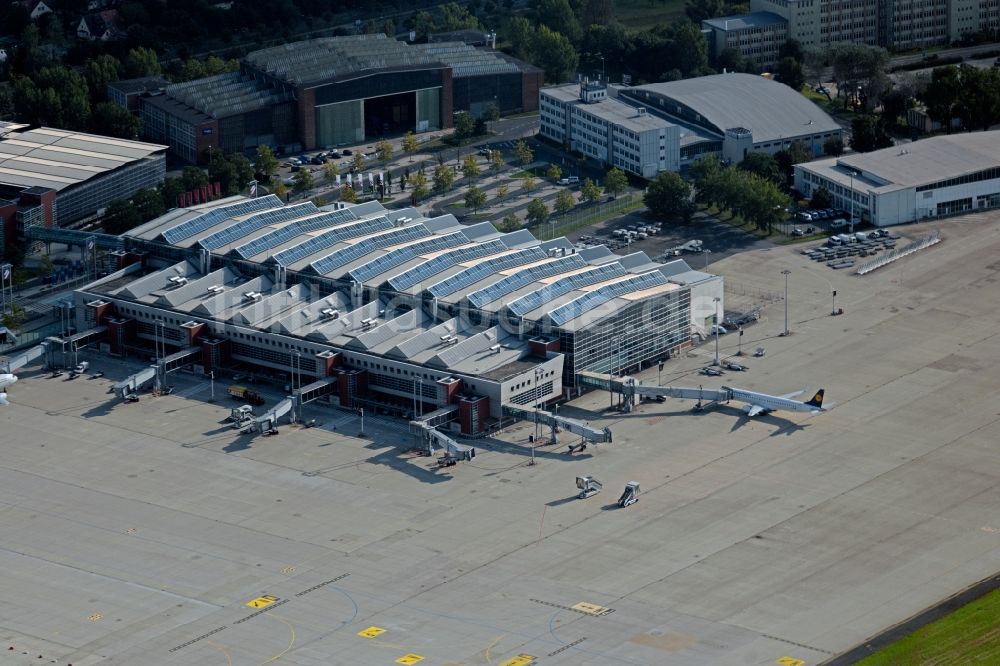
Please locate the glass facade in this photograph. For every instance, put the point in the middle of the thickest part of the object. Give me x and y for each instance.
(340, 123)
(87, 197)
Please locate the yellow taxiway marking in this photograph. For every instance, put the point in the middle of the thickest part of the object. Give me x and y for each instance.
(261, 602)
(95, 617)
(229, 659)
(409, 659)
(591, 609)
(789, 661)
(371, 632)
(288, 570)
(519, 660)
(486, 652)
(291, 640)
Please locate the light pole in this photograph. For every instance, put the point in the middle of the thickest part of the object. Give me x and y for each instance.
(851, 194)
(786, 273)
(706, 253)
(211, 375)
(538, 396)
(602, 67)
(157, 331)
(716, 301)
(296, 383)
(739, 349)
(833, 302)
(420, 397)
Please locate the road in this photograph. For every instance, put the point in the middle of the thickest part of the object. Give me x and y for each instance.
(962, 51)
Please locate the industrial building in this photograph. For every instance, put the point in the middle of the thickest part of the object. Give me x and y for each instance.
(334, 91)
(668, 126)
(52, 177)
(934, 177)
(390, 309)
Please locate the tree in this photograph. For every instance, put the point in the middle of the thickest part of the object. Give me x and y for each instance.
(553, 173)
(894, 105)
(833, 147)
(525, 155)
(979, 99)
(502, 190)
(383, 149)
(669, 197)
(330, 170)
(860, 71)
(560, 17)
(821, 199)
(358, 162)
(348, 195)
(470, 167)
(279, 189)
(464, 125)
(302, 181)
(796, 153)
(509, 223)
(615, 182)
(554, 53)
(222, 171)
(528, 183)
(700, 10)
(868, 134)
(537, 213)
(942, 94)
(564, 202)
(731, 60)
(99, 72)
(444, 178)
(705, 174)
(242, 170)
(475, 199)
(423, 24)
(409, 144)
(590, 191)
(456, 17)
(14, 319)
(266, 163)
(496, 161)
(689, 48)
(763, 204)
(491, 113)
(193, 177)
(418, 186)
(141, 61)
(764, 165)
(121, 216)
(148, 204)
(789, 72)
(109, 119)
(791, 49)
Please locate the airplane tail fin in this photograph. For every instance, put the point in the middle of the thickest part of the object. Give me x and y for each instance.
(817, 399)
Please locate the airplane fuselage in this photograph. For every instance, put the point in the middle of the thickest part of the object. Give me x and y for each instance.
(769, 403)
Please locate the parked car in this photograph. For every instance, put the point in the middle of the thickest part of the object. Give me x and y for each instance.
(798, 232)
(804, 216)
(569, 180)
(346, 152)
(839, 224)
(734, 366)
(712, 371)
(718, 328)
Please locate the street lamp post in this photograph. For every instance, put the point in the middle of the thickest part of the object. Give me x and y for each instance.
(833, 302)
(706, 253)
(786, 273)
(157, 332)
(538, 396)
(716, 301)
(851, 194)
(211, 375)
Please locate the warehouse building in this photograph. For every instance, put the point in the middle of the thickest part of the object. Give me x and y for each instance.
(390, 309)
(334, 91)
(934, 177)
(52, 177)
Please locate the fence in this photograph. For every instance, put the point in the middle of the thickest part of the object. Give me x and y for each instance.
(560, 225)
(755, 294)
(893, 255)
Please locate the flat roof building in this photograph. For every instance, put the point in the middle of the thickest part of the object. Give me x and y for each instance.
(587, 117)
(391, 306)
(757, 36)
(51, 177)
(934, 177)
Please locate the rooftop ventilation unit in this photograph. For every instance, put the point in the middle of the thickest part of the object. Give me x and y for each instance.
(495, 349)
(330, 313)
(446, 337)
(176, 281)
(216, 289)
(252, 296)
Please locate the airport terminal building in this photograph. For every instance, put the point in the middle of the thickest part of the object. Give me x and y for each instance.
(334, 91)
(934, 177)
(668, 126)
(389, 309)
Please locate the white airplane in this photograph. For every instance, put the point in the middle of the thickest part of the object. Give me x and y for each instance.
(762, 403)
(756, 403)
(5, 381)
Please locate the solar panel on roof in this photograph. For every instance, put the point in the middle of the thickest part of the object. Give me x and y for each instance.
(360, 250)
(208, 220)
(524, 278)
(432, 267)
(288, 232)
(591, 300)
(474, 274)
(330, 238)
(253, 223)
(398, 257)
(537, 298)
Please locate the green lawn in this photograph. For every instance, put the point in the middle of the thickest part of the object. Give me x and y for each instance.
(970, 636)
(643, 14)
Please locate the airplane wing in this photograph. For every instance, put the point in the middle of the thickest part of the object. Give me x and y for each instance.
(755, 410)
(3, 399)
(788, 396)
